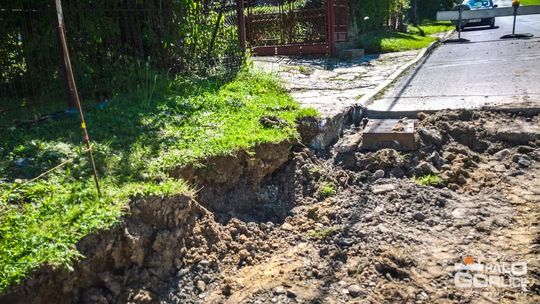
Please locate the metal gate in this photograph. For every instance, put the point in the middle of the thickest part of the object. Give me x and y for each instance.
(296, 27)
(340, 12)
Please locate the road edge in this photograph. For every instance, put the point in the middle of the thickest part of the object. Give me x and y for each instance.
(367, 100)
(330, 128)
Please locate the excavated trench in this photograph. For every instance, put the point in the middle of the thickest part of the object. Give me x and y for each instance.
(138, 259)
(287, 224)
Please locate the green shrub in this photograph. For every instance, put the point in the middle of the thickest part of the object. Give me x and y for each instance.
(322, 233)
(109, 51)
(326, 190)
(430, 180)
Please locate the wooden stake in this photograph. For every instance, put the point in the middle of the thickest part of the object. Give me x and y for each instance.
(72, 87)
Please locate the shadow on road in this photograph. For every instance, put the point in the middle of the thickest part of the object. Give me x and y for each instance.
(407, 82)
(475, 29)
(457, 40)
(467, 41)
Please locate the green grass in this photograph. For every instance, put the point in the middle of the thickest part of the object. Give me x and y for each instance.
(430, 180)
(388, 42)
(42, 222)
(138, 139)
(326, 190)
(530, 2)
(415, 38)
(322, 233)
(306, 70)
(429, 28)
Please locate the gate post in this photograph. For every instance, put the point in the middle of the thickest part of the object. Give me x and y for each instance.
(241, 25)
(331, 31)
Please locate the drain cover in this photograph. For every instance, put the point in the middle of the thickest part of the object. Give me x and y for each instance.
(397, 134)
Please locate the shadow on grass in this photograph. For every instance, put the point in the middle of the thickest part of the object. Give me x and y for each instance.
(386, 42)
(130, 123)
(322, 62)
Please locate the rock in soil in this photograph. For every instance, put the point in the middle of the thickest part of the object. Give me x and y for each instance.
(355, 290)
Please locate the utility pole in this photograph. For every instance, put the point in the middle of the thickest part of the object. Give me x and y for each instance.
(73, 95)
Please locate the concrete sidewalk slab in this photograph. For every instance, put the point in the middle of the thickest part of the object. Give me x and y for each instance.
(332, 86)
(341, 89)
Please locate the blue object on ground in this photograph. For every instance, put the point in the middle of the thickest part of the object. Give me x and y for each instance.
(102, 105)
(71, 111)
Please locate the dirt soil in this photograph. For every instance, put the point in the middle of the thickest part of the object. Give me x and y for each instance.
(383, 238)
(349, 226)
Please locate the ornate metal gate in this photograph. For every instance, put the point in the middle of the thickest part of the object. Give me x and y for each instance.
(294, 27)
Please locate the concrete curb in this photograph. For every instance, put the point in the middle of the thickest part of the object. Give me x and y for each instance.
(330, 128)
(524, 110)
(369, 99)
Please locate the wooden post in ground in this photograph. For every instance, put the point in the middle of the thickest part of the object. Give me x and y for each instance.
(241, 25)
(72, 87)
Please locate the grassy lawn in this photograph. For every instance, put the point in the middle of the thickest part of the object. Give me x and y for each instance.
(415, 38)
(387, 42)
(430, 28)
(137, 140)
(530, 2)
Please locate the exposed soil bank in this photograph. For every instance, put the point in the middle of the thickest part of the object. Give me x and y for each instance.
(135, 251)
(230, 185)
(284, 225)
(136, 260)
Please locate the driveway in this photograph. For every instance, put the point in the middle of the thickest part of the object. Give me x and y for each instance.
(485, 71)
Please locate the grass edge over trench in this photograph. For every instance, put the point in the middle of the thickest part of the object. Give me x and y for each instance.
(138, 139)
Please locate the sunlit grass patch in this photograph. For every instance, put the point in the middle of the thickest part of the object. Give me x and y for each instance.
(137, 140)
(429, 28)
(387, 42)
(430, 180)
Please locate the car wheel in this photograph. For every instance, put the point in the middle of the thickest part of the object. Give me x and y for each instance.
(492, 24)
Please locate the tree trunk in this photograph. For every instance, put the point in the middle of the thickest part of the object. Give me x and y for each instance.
(414, 10)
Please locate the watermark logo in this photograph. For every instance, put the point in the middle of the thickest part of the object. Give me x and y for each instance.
(471, 274)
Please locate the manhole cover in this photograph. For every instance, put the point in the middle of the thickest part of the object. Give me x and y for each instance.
(397, 134)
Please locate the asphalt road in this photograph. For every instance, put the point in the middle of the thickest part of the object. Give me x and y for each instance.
(486, 71)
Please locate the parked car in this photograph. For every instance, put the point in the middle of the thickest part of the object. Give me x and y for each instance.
(477, 5)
